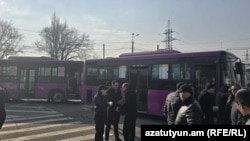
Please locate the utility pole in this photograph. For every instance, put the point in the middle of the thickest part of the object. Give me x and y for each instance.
(103, 50)
(168, 39)
(247, 57)
(133, 36)
(157, 47)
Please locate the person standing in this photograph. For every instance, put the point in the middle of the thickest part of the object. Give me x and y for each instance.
(230, 108)
(220, 101)
(172, 105)
(100, 112)
(207, 101)
(113, 116)
(242, 98)
(130, 111)
(2, 106)
(190, 112)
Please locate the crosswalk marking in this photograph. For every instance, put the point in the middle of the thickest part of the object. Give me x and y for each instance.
(83, 138)
(29, 118)
(39, 128)
(41, 123)
(36, 122)
(31, 111)
(50, 134)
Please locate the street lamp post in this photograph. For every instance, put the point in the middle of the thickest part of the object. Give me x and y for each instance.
(133, 36)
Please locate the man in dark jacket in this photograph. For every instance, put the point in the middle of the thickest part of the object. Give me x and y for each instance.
(190, 112)
(220, 101)
(2, 106)
(242, 98)
(100, 112)
(207, 101)
(113, 117)
(130, 111)
(172, 105)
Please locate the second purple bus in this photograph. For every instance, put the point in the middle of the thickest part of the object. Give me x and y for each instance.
(153, 75)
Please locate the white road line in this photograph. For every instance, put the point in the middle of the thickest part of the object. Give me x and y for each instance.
(38, 128)
(31, 111)
(35, 122)
(83, 138)
(29, 118)
(51, 134)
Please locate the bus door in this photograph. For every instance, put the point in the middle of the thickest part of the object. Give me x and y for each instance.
(139, 83)
(27, 83)
(204, 74)
(73, 79)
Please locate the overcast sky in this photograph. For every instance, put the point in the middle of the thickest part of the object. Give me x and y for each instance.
(200, 25)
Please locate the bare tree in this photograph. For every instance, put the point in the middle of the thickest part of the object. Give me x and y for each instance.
(9, 39)
(63, 43)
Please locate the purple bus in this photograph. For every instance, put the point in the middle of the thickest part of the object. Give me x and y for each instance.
(153, 75)
(41, 78)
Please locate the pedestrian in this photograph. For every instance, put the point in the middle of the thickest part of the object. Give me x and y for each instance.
(113, 116)
(190, 112)
(220, 101)
(172, 105)
(130, 111)
(206, 99)
(231, 112)
(2, 106)
(242, 98)
(100, 118)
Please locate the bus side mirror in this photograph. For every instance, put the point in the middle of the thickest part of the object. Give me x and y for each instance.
(238, 67)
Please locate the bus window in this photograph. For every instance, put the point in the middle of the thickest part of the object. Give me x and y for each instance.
(102, 73)
(9, 73)
(180, 72)
(54, 71)
(160, 71)
(204, 74)
(112, 72)
(122, 71)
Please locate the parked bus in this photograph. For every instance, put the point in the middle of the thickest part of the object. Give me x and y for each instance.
(41, 78)
(153, 75)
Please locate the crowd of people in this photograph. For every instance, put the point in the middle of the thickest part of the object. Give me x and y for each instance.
(230, 106)
(109, 104)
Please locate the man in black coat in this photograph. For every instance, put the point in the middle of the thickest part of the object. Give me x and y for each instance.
(190, 112)
(130, 111)
(114, 96)
(101, 105)
(207, 101)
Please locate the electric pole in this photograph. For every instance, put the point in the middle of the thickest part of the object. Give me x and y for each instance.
(133, 36)
(103, 49)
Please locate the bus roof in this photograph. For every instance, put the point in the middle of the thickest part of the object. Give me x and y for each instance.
(31, 58)
(142, 56)
(160, 51)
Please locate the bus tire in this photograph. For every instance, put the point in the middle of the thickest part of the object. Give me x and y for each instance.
(57, 97)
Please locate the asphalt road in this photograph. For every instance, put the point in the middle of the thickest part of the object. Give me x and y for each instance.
(41, 120)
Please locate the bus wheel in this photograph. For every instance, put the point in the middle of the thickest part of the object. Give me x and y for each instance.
(57, 97)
